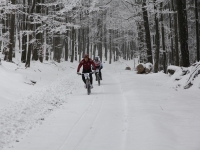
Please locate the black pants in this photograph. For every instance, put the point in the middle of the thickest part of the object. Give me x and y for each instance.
(83, 78)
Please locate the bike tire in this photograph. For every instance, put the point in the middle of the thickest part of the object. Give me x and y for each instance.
(89, 90)
(88, 87)
(98, 79)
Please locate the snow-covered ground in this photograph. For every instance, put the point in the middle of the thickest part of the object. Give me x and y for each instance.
(128, 111)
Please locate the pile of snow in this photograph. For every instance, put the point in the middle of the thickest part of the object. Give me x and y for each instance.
(149, 66)
(172, 67)
(183, 76)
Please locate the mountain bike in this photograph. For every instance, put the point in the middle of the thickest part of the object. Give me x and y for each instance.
(97, 76)
(87, 81)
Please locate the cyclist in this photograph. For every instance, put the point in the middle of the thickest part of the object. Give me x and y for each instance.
(86, 63)
(98, 65)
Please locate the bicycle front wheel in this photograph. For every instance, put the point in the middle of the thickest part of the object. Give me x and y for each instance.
(88, 87)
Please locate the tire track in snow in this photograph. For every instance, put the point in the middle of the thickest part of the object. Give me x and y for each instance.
(125, 106)
(78, 121)
(92, 124)
(79, 137)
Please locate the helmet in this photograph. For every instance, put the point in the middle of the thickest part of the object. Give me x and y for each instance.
(86, 56)
(96, 58)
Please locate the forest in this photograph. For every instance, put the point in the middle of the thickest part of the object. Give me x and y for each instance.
(161, 32)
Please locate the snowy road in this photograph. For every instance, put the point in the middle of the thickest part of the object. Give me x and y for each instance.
(97, 121)
(127, 112)
(101, 117)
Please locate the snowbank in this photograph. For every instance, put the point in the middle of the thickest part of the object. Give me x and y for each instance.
(184, 76)
(23, 105)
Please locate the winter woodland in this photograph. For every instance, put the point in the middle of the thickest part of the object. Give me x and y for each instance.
(43, 104)
(157, 31)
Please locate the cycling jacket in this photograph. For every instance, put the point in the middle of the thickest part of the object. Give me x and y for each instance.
(86, 65)
(98, 64)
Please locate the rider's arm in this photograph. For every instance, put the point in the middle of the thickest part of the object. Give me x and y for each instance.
(101, 65)
(94, 66)
(79, 66)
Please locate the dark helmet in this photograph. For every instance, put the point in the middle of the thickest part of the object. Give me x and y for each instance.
(96, 58)
(86, 56)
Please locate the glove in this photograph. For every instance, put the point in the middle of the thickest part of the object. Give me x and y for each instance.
(78, 73)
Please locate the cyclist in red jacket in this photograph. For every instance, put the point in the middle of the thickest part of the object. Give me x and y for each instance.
(86, 63)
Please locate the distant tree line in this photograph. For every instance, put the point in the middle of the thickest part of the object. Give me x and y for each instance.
(162, 32)
(63, 31)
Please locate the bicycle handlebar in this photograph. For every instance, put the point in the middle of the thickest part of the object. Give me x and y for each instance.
(84, 73)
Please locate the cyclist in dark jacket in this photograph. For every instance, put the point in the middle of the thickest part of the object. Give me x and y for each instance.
(86, 63)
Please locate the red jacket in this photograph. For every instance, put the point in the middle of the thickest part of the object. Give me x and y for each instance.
(86, 65)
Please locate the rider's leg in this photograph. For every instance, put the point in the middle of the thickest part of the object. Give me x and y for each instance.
(100, 74)
(96, 76)
(83, 78)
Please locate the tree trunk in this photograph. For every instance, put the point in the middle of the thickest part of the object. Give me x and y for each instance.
(197, 29)
(157, 51)
(110, 46)
(30, 27)
(183, 32)
(11, 35)
(94, 50)
(141, 38)
(147, 31)
(57, 47)
(163, 41)
(66, 43)
(72, 52)
(172, 43)
(100, 47)
(24, 35)
(175, 34)
(37, 52)
(47, 40)
(88, 41)
(105, 43)
(91, 46)
(79, 44)
(75, 44)
(66, 46)
(0, 35)
(83, 39)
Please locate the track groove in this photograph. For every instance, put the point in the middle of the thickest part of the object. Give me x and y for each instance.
(78, 121)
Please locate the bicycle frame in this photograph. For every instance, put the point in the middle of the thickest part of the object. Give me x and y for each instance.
(86, 75)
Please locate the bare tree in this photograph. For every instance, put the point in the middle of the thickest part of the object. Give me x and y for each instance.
(197, 29)
(11, 33)
(157, 51)
(147, 31)
(163, 40)
(183, 32)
